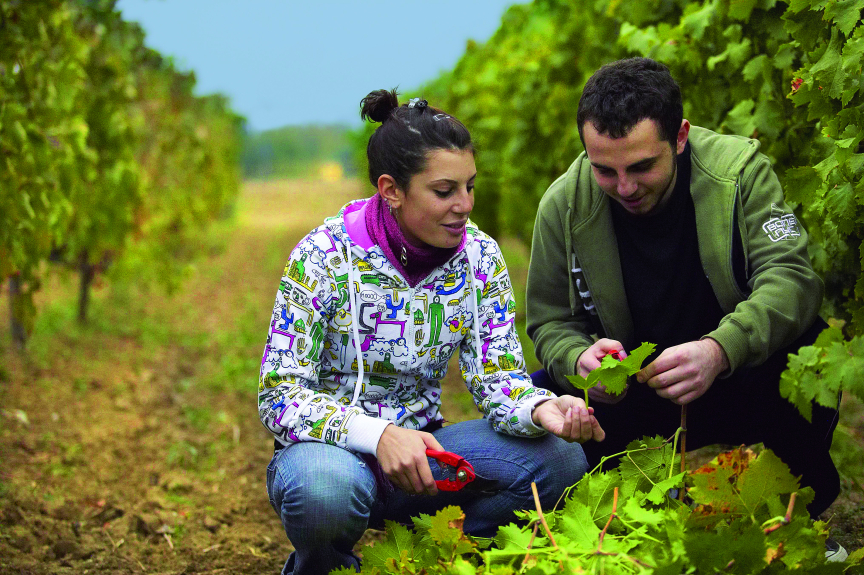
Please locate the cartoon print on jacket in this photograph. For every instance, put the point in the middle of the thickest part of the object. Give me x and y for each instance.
(406, 338)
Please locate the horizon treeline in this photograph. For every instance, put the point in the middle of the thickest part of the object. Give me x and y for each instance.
(296, 151)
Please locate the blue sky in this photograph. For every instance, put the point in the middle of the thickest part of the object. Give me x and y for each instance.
(297, 62)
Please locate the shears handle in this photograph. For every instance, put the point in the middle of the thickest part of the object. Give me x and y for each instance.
(458, 472)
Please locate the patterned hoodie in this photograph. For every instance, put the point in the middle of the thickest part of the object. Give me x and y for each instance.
(312, 386)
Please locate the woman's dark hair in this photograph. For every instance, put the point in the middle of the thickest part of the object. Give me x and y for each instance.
(621, 94)
(400, 145)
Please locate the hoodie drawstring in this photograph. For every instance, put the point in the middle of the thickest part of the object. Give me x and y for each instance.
(355, 320)
(478, 345)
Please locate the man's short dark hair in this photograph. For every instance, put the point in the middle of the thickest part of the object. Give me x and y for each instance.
(621, 94)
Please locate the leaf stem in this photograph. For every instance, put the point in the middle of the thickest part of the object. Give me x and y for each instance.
(530, 543)
(612, 516)
(674, 450)
(683, 437)
(586, 398)
(635, 531)
(543, 520)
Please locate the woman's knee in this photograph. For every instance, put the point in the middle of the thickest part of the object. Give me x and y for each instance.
(321, 492)
(558, 466)
(549, 461)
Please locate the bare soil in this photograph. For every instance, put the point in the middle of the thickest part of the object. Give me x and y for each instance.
(132, 444)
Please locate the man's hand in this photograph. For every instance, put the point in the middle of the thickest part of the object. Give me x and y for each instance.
(685, 372)
(402, 455)
(568, 418)
(590, 360)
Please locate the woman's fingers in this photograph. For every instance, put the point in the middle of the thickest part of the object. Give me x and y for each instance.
(402, 455)
(427, 480)
(567, 425)
(597, 433)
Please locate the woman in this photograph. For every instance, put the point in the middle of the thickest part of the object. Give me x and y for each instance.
(372, 306)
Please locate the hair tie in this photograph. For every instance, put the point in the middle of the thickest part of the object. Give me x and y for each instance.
(417, 103)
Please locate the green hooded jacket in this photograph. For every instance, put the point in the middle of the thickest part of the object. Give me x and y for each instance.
(575, 287)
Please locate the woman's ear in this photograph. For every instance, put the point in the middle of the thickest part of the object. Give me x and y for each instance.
(390, 191)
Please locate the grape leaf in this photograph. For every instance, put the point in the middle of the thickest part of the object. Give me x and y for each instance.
(841, 202)
(577, 523)
(846, 13)
(828, 70)
(646, 462)
(659, 493)
(728, 550)
(632, 510)
(400, 542)
(741, 9)
(447, 525)
(795, 542)
(796, 388)
(856, 557)
(739, 483)
(843, 366)
(512, 536)
(596, 492)
(765, 477)
(713, 488)
(613, 373)
(830, 334)
(633, 361)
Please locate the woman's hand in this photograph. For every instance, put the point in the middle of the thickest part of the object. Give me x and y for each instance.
(568, 418)
(402, 455)
(590, 360)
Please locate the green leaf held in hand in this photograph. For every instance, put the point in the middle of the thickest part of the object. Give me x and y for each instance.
(613, 373)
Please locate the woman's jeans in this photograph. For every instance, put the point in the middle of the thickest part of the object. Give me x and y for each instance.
(326, 496)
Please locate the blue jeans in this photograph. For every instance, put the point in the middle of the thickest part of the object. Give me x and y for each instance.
(327, 496)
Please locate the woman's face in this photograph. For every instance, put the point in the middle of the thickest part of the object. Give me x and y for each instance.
(439, 199)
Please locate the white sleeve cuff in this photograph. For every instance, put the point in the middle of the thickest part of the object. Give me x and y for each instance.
(364, 432)
(526, 410)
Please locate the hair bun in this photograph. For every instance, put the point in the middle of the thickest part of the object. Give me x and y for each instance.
(378, 105)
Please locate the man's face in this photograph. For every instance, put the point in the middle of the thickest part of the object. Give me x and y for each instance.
(638, 170)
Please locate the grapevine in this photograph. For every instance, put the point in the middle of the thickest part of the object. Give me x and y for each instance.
(744, 513)
(107, 155)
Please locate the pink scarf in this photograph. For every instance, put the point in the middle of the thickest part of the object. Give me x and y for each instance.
(384, 230)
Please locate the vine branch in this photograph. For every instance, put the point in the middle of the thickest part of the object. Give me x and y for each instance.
(786, 519)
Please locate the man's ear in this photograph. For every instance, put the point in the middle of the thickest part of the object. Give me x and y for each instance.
(683, 132)
(389, 190)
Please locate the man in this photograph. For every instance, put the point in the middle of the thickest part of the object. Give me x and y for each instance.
(670, 233)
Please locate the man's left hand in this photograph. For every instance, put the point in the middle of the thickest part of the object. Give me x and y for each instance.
(685, 372)
(568, 418)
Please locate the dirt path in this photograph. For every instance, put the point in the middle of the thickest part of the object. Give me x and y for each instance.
(133, 445)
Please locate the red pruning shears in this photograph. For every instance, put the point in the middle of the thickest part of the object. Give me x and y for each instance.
(614, 353)
(459, 474)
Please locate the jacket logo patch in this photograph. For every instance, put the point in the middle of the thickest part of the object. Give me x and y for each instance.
(781, 226)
